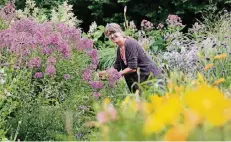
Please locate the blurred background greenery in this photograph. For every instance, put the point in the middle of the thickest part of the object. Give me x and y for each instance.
(156, 11)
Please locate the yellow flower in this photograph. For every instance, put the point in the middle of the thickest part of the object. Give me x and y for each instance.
(208, 67)
(148, 108)
(153, 124)
(106, 102)
(218, 81)
(170, 110)
(130, 106)
(162, 113)
(155, 102)
(126, 101)
(208, 103)
(200, 79)
(221, 56)
(176, 133)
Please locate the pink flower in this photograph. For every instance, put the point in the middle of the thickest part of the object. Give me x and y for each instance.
(7, 12)
(85, 44)
(66, 76)
(50, 70)
(102, 117)
(93, 54)
(96, 84)
(174, 20)
(34, 63)
(51, 61)
(112, 112)
(113, 76)
(38, 75)
(146, 25)
(87, 75)
(96, 94)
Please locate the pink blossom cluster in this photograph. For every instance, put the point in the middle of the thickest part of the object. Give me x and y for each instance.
(87, 75)
(38, 75)
(96, 84)
(51, 60)
(109, 114)
(26, 37)
(7, 12)
(51, 42)
(147, 25)
(174, 20)
(34, 63)
(113, 76)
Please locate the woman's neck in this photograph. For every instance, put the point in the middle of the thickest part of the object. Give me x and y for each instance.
(121, 45)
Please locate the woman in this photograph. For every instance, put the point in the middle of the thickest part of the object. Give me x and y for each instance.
(130, 58)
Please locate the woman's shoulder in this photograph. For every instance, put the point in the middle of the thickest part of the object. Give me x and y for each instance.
(130, 42)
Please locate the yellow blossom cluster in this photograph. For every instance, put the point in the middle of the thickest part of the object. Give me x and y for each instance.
(179, 114)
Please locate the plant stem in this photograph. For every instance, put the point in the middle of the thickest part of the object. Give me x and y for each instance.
(202, 132)
(222, 128)
(17, 131)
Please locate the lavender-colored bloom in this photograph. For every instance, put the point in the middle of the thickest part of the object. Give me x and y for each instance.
(113, 76)
(34, 63)
(85, 44)
(24, 25)
(47, 51)
(96, 84)
(63, 48)
(87, 75)
(66, 76)
(51, 61)
(50, 70)
(70, 33)
(93, 54)
(38, 75)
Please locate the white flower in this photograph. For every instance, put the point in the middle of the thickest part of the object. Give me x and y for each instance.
(92, 27)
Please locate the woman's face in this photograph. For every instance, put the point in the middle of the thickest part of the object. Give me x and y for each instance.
(117, 38)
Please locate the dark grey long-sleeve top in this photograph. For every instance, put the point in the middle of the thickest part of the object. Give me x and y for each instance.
(136, 57)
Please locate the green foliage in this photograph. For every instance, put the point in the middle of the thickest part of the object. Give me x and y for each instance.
(3, 2)
(106, 58)
(103, 11)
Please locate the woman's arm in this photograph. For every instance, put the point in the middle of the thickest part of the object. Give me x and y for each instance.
(127, 71)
